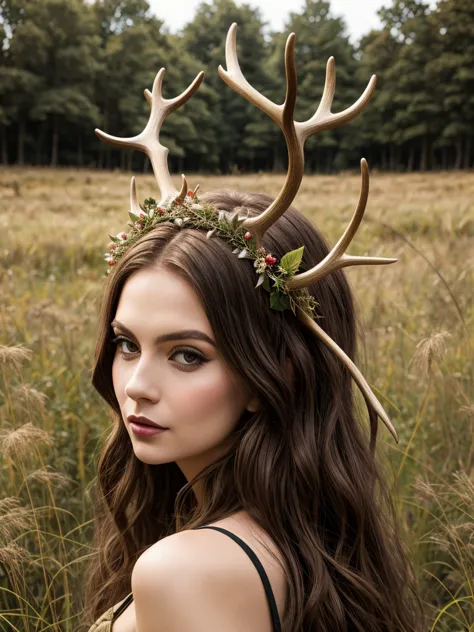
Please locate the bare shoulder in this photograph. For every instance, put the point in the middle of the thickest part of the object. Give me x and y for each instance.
(187, 555)
(195, 581)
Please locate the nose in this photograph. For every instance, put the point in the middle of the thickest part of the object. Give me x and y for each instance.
(142, 384)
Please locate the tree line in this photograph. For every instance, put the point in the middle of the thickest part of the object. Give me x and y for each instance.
(68, 66)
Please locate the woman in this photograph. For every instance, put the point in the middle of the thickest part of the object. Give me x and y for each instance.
(261, 445)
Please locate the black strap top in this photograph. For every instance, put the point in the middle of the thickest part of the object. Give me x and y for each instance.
(258, 565)
(261, 571)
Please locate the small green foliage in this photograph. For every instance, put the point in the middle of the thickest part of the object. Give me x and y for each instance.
(291, 261)
(279, 301)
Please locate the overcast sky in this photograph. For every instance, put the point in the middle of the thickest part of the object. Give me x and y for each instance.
(360, 15)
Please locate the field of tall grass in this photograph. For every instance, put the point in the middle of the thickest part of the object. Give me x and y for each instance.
(418, 319)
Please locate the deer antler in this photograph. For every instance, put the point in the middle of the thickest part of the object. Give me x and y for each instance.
(295, 132)
(148, 140)
(359, 379)
(337, 258)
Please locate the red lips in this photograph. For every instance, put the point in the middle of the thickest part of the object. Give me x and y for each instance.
(145, 421)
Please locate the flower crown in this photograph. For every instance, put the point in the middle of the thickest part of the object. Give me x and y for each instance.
(182, 208)
(228, 226)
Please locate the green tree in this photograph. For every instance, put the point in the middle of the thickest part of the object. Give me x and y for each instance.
(235, 122)
(12, 13)
(418, 112)
(57, 41)
(116, 16)
(378, 52)
(17, 85)
(452, 74)
(132, 57)
(320, 36)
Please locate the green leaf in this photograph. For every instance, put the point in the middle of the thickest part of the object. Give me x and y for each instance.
(279, 302)
(291, 261)
(133, 217)
(116, 240)
(266, 284)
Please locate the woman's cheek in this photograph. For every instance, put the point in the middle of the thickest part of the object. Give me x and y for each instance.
(210, 404)
(211, 392)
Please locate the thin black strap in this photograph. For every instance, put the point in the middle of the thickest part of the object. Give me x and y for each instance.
(128, 599)
(261, 572)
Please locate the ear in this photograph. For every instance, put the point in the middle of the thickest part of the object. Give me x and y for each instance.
(253, 405)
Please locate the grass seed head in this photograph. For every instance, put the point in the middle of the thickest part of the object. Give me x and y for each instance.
(33, 399)
(13, 557)
(429, 350)
(17, 443)
(46, 474)
(14, 356)
(13, 519)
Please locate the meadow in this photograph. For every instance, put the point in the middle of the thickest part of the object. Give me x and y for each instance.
(418, 321)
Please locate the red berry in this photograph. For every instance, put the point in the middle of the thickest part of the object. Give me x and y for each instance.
(160, 210)
(248, 236)
(141, 215)
(123, 235)
(191, 194)
(111, 262)
(270, 260)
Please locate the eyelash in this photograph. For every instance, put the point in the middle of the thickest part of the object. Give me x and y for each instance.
(187, 350)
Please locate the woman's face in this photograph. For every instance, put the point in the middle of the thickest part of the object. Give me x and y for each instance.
(181, 384)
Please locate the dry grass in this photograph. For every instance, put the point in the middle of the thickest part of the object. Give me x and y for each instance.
(418, 320)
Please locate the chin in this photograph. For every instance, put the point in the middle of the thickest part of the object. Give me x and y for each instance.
(150, 455)
(150, 460)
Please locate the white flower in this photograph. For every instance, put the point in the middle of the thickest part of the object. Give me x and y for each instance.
(196, 207)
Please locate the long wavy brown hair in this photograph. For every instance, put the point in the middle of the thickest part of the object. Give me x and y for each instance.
(301, 466)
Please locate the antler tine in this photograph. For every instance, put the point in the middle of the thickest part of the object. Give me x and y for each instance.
(295, 132)
(282, 115)
(236, 80)
(359, 379)
(148, 140)
(323, 118)
(337, 258)
(134, 205)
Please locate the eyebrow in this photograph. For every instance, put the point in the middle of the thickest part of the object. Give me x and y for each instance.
(183, 334)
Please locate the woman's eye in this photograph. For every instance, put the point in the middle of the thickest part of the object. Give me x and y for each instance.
(188, 354)
(118, 341)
